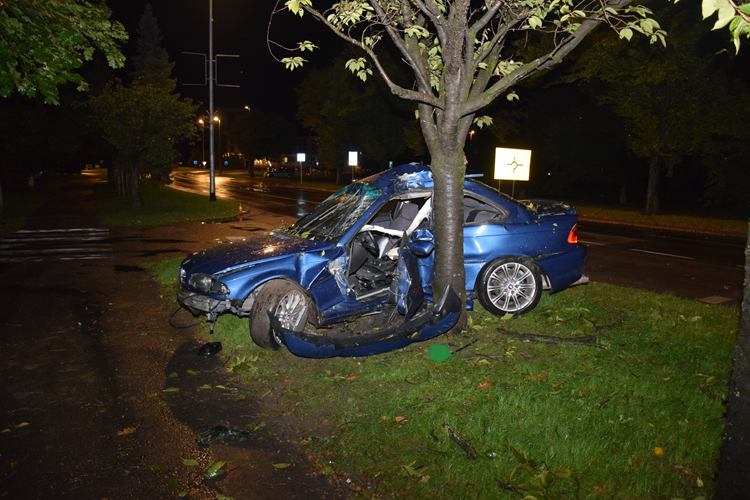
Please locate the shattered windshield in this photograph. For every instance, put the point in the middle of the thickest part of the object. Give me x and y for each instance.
(337, 214)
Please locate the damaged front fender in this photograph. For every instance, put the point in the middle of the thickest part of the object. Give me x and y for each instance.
(425, 325)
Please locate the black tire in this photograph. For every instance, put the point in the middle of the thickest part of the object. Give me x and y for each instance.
(510, 285)
(286, 301)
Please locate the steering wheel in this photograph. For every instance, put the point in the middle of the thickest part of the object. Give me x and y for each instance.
(367, 240)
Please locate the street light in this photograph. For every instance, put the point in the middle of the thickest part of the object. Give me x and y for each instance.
(203, 141)
(216, 119)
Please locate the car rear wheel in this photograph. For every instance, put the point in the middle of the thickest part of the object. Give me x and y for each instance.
(287, 302)
(510, 285)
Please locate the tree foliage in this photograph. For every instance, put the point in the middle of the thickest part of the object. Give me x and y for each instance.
(460, 56)
(152, 65)
(729, 14)
(671, 99)
(145, 121)
(44, 42)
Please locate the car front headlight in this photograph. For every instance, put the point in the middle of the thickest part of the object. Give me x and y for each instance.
(209, 284)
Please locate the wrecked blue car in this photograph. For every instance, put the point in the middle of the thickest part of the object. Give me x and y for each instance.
(354, 276)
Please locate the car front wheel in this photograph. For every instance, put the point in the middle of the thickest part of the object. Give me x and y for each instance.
(287, 302)
(510, 285)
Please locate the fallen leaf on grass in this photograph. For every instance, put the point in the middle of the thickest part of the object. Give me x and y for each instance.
(541, 377)
(354, 487)
(484, 385)
(14, 427)
(215, 469)
(127, 430)
(557, 384)
(281, 466)
(351, 377)
(425, 479)
(401, 420)
(699, 482)
(598, 489)
(384, 417)
(658, 451)
(172, 389)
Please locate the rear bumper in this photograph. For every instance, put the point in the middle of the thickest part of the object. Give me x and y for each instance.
(564, 269)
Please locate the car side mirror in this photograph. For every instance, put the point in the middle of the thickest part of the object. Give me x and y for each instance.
(422, 242)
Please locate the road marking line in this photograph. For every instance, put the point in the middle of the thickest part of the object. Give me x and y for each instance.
(664, 254)
(72, 230)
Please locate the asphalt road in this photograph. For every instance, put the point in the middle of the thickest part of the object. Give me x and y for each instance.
(695, 266)
(103, 391)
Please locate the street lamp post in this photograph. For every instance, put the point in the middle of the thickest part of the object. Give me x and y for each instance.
(218, 120)
(203, 141)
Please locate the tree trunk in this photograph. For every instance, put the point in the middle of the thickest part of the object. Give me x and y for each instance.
(652, 195)
(448, 202)
(135, 192)
(733, 466)
(623, 193)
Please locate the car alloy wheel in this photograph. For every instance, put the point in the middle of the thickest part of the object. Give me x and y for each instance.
(510, 285)
(287, 302)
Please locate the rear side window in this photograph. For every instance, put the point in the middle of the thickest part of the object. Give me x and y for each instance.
(478, 212)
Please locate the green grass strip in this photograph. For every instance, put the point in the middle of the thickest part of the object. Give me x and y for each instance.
(641, 418)
(674, 222)
(162, 205)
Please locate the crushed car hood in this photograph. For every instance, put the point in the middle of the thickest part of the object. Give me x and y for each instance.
(256, 248)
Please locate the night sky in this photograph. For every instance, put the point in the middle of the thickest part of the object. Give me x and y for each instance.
(240, 28)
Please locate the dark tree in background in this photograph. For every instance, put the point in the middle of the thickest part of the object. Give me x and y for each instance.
(671, 100)
(259, 134)
(351, 115)
(152, 65)
(145, 121)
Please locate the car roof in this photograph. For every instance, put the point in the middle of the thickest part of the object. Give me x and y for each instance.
(419, 175)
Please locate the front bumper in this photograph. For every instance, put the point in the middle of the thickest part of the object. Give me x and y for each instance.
(198, 303)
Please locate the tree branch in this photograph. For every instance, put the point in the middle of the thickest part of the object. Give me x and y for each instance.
(396, 89)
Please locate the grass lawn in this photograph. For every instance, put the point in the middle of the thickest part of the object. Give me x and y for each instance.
(161, 206)
(637, 417)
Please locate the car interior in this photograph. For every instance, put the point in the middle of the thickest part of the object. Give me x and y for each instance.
(375, 249)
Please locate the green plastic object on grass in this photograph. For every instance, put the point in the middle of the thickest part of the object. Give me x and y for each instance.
(439, 352)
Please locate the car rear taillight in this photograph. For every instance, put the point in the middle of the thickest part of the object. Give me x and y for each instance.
(573, 236)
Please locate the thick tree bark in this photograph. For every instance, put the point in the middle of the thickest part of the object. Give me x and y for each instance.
(135, 192)
(652, 195)
(733, 466)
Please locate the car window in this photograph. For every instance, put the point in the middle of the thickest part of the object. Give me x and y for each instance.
(330, 220)
(478, 211)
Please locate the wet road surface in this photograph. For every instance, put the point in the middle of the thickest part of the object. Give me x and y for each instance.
(88, 357)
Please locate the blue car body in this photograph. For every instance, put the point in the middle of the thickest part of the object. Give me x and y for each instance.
(367, 251)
